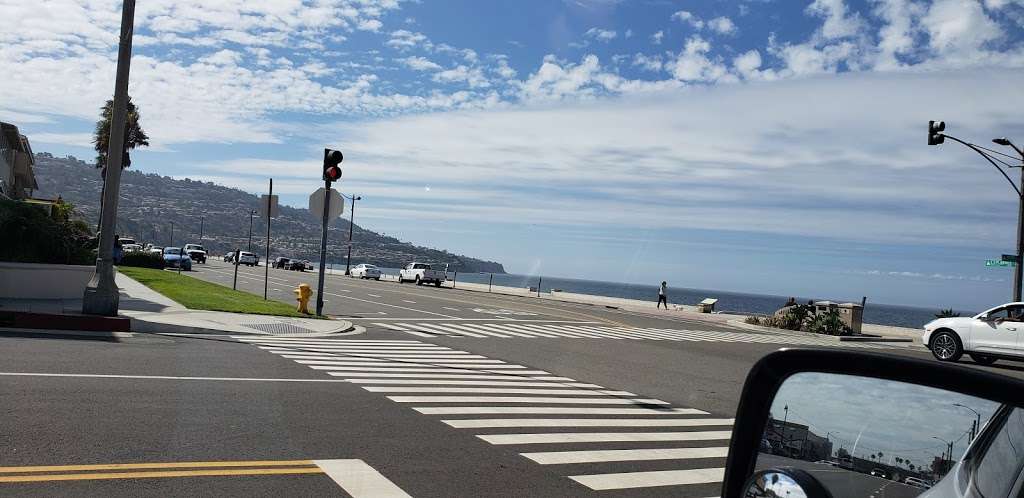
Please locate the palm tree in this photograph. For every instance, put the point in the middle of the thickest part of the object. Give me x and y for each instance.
(133, 134)
(880, 455)
(873, 457)
(910, 466)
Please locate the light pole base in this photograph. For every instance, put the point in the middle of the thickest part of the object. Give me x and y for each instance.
(102, 296)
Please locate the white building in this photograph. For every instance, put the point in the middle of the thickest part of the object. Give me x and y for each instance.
(17, 181)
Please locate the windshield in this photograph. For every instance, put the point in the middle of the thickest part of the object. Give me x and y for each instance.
(625, 205)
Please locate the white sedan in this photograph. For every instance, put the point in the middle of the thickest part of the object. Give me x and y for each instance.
(985, 337)
(366, 271)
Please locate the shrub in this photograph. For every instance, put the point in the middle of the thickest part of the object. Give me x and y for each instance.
(752, 320)
(947, 313)
(771, 321)
(143, 260)
(828, 324)
(31, 235)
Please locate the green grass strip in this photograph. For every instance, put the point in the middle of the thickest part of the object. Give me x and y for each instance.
(202, 295)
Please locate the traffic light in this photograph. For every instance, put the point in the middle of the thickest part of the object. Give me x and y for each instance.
(332, 170)
(935, 129)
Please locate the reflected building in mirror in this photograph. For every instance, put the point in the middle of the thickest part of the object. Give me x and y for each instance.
(794, 440)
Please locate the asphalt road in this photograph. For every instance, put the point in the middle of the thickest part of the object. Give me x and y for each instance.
(843, 483)
(446, 393)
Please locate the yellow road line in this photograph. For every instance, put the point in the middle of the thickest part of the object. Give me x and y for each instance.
(164, 473)
(156, 465)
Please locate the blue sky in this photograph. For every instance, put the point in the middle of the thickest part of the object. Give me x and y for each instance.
(759, 146)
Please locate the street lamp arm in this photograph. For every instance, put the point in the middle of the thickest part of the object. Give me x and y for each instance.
(989, 159)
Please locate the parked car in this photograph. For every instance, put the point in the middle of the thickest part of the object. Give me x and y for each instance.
(917, 482)
(155, 249)
(196, 252)
(174, 257)
(297, 265)
(877, 472)
(281, 262)
(248, 258)
(229, 257)
(421, 273)
(366, 271)
(131, 248)
(985, 337)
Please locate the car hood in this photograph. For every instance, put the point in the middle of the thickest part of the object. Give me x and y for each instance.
(951, 322)
(190, 251)
(171, 257)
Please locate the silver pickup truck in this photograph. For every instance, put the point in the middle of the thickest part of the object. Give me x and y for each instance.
(421, 273)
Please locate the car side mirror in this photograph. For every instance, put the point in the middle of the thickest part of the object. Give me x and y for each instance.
(817, 423)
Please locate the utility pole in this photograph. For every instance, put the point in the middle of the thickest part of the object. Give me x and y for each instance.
(252, 212)
(202, 221)
(101, 293)
(266, 262)
(171, 244)
(331, 172)
(351, 223)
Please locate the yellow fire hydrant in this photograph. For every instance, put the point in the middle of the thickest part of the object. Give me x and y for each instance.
(302, 295)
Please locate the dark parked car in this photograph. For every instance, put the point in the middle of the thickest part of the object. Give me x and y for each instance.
(299, 265)
(281, 262)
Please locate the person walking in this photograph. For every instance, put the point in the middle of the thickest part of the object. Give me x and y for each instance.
(662, 295)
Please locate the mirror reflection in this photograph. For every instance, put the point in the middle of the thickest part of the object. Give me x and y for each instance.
(867, 437)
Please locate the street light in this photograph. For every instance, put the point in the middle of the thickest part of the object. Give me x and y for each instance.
(351, 224)
(251, 214)
(936, 136)
(949, 459)
(977, 420)
(827, 440)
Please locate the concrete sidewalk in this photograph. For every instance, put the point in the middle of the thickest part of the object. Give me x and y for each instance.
(153, 312)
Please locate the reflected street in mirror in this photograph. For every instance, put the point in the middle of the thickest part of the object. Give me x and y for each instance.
(865, 437)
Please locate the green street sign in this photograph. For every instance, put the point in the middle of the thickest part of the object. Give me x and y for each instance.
(997, 262)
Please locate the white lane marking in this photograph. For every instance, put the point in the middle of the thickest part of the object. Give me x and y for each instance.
(438, 330)
(375, 295)
(623, 480)
(591, 456)
(426, 359)
(408, 301)
(342, 290)
(603, 437)
(491, 410)
(472, 383)
(449, 308)
(417, 356)
(359, 479)
(490, 329)
(491, 390)
(245, 338)
(525, 399)
(392, 327)
(421, 334)
(392, 306)
(158, 377)
(441, 373)
(376, 375)
(587, 422)
(460, 329)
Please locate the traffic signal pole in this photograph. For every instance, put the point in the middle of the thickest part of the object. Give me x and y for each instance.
(323, 251)
(1018, 269)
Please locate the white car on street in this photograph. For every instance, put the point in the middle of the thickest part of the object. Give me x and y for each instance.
(366, 271)
(985, 337)
(248, 258)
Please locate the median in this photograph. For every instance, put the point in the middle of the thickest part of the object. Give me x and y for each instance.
(197, 294)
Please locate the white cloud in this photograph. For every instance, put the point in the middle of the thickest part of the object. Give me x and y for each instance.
(959, 29)
(628, 34)
(748, 66)
(694, 149)
(688, 18)
(650, 63)
(472, 76)
(839, 22)
(73, 139)
(657, 37)
(420, 63)
(722, 25)
(896, 36)
(404, 39)
(504, 70)
(693, 63)
(372, 25)
(601, 35)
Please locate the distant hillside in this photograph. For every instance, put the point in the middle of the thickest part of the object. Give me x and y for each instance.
(150, 203)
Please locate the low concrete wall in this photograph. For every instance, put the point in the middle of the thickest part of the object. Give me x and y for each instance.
(40, 281)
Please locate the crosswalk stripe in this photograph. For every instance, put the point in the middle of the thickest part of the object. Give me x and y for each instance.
(465, 330)
(423, 370)
(550, 331)
(591, 456)
(525, 399)
(333, 341)
(474, 383)
(438, 366)
(378, 375)
(377, 349)
(495, 410)
(434, 329)
(586, 422)
(603, 437)
(624, 480)
(483, 330)
(391, 326)
(502, 327)
(491, 390)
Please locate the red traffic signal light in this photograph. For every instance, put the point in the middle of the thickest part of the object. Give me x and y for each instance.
(935, 129)
(332, 158)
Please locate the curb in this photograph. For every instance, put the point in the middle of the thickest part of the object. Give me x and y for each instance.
(150, 327)
(861, 338)
(21, 332)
